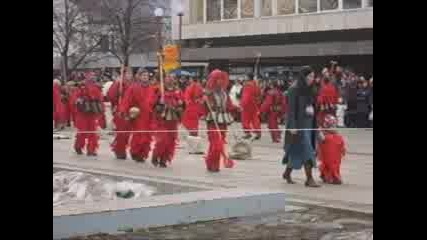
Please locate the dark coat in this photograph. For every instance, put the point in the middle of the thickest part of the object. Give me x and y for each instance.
(363, 100)
(299, 148)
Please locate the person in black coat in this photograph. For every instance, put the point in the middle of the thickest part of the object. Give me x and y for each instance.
(300, 145)
(363, 104)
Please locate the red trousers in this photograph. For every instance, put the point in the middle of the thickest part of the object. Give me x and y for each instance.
(60, 116)
(216, 147)
(121, 139)
(251, 122)
(273, 123)
(140, 141)
(86, 123)
(166, 142)
(102, 121)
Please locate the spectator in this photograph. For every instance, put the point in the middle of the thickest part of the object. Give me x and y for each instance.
(236, 91)
(299, 145)
(363, 103)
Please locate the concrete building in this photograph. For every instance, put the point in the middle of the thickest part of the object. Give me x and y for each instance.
(285, 33)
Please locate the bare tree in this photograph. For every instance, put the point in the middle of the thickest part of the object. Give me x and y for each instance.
(74, 38)
(132, 25)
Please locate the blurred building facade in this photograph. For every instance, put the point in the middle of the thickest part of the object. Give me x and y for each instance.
(285, 33)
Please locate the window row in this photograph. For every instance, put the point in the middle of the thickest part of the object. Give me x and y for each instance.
(251, 8)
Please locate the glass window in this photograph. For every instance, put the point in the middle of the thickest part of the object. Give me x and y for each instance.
(371, 3)
(266, 8)
(213, 10)
(349, 4)
(230, 9)
(285, 7)
(307, 6)
(247, 9)
(328, 4)
(196, 11)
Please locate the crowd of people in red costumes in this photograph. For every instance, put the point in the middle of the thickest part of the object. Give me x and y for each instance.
(144, 111)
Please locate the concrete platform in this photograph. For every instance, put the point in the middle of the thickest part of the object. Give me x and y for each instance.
(110, 216)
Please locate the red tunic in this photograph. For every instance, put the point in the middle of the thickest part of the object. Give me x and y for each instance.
(274, 106)
(59, 109)
(87, 121)
(331, 151)
(326, 101)
(166, 123)
(221, 106)
(142, 97)
(193, 107)
(251, 99)
(121, 139)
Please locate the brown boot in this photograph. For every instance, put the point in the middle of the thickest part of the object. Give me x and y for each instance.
(121, 156)
(78, 151)
(287, 176)
(309, 174)
(137, 158)
(92, 154)
(155, 161)
(162, 163)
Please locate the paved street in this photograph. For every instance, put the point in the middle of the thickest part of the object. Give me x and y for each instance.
(262, 172)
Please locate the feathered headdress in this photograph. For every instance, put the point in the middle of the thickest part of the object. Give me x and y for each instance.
(217, 79)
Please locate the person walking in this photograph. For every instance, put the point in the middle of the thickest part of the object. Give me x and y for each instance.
(299, 146)
(250, 103)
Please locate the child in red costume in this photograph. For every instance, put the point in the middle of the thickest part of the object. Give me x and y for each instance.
(88, 104)
(193, 107)
(331, 151)
(115, 95)
(217, 109)
(139, 95)
(274, 107)
(167, 115)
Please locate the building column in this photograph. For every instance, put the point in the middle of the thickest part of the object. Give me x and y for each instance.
(297, 6)
(365, 3)
(205, 11)
(257, 8)
(222, 10)
(239, 10)
(274, 8)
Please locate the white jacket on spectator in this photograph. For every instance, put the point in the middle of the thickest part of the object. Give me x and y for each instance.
(235, 92)
(106, 87)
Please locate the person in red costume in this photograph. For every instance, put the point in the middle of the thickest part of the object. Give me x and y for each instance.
(74, 87)
(139, 95)
(217, 108)
(274, 107)
(65, 95)
(331, 151)
(88, 109)
(193, 107)
(251, 99)
(115, 95)
(102, 121)
(167, 115)
(59, 108)
(327, 97)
